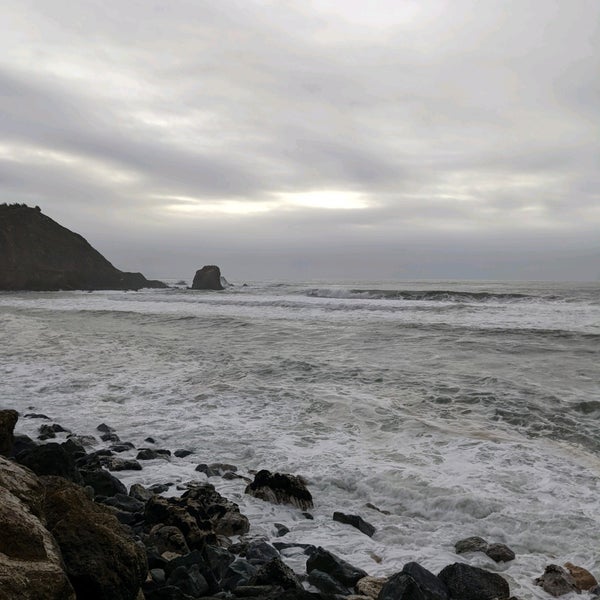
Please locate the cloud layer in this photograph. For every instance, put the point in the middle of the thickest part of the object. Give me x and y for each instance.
(324, 139)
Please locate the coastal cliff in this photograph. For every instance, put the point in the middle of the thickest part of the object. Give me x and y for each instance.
(36, 253)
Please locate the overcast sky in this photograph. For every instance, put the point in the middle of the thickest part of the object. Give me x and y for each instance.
(343, 139)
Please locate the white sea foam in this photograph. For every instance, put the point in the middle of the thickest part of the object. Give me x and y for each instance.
(457, 422)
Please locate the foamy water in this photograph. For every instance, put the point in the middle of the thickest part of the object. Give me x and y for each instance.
(461, 409)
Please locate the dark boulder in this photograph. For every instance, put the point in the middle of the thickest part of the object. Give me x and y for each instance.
(50, 459)
(333, 565)
(8, 420)
(181, 453)
(102, 482)
(280, 488)
(471, 544)
(276, 572)
(139, 492)
(101, 559)
(36, 253)
(355, 521)
(189, 580)
(414, 582)
(207, 278)
(260, 552)
(471, 583)
(326, 583)
(239, 572)
(167, 538)
(124, 503)
(500, 552)
(22, 443)
(151, 454)
(114, 463)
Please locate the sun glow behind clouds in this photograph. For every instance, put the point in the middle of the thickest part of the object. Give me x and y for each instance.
(280, 201)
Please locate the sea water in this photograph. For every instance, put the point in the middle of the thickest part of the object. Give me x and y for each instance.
(458, 408)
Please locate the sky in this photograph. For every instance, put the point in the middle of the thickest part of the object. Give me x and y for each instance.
(307, 140)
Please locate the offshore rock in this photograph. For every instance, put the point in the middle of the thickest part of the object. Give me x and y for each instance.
(8, 420)
(557, 581)
(355, 521)
(101, 559)
(584, 580)
(36, 253)
(207, 278)
(471, 583)
(280, 488)
(30, 561)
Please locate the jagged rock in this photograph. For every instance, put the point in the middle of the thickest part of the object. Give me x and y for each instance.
(121, 447)
(101, 559)
(276, 572)
(218, 560)
(110, 437)
(326, 583)
(584, 580)
(22, 443)
(125, 503)
(500, 552)
(50, 459)
(333, 565)
(260, 552)
(189, 580)
(355, 521)
(280, 488)
(239, 572)
(414, 582)
(370, 586)
(166, 538)
(471, 583)
(207, 278)
(8, 420)
(102, 482)
(557, 581)
(139, 492)
(30, 560)
(281, 529)
(36, 253)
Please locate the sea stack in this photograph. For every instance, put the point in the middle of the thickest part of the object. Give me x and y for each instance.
(207, 278)
(36, 253)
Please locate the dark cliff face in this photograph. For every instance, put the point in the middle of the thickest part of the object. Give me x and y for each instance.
(36, 253)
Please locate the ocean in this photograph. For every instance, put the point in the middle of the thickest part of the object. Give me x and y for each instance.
(459, 408)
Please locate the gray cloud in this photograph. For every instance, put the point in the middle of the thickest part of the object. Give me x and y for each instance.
(458, 124)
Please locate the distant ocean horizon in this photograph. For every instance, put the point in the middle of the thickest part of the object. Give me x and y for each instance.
(458, 407)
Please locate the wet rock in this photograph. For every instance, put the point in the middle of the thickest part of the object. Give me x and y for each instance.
(124, 503)
(87, 441)
(471, 544)
(158, 575)
(276, 572)
(414, 582)
(331, 564)
(36, 416)
(326, 583)
(50, 459)
(74, 448)
(50, 431)
(500, 552)
(182, 453)
(557, 581)
(150, 440)
(207, 278)
(151, 454)
(104, 428)
(167, 538)
(110, 437)
(195, 526)
(281, 529)
(260, 552)
(114, 463)
(101, 559)
(30, 561)
(584, 580)
(215, 469)
(8, 420)
(370, 586)
(218, 560)
(159, 488)
(189, 580)
(102, 482)
(122, 447)
(355, 521)
(239, 572)
(280, 488)
(139, 492)
(471, 583)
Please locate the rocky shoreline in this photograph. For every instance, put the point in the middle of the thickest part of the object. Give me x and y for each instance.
(72, 530)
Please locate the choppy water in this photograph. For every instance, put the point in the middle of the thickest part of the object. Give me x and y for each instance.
(460, 408)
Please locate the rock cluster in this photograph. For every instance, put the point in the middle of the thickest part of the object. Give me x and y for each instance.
(36, 253)
(72, 531)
